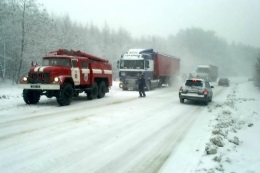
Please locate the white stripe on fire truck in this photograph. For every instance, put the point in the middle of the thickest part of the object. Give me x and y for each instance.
(85, 71)
(97, 71)
(108, 71)
(41, 69)
(36, 69)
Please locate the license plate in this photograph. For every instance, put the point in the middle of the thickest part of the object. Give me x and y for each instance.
(35, 86)
(130, 88)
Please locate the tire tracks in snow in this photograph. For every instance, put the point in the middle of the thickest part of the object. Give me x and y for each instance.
(156, 153)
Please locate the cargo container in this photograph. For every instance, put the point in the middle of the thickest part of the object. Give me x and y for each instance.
(158, 69)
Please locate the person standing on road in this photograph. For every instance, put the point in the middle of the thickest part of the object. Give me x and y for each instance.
(141, 85)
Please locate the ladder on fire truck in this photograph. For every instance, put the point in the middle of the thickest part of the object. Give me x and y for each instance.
(78, 53)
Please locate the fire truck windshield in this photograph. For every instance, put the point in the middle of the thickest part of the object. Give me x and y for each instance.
(56, 62)
(132, 64)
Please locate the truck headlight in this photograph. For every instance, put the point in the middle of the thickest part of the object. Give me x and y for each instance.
(25, 79)
(121, 85)
(56, 80)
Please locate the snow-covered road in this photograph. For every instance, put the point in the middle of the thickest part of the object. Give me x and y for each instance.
(117, 134)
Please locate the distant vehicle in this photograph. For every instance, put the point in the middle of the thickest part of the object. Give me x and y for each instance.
(66, 73)
(250, 79)
(158, 68)
(223, 82)
(207, 72)
(197, 90)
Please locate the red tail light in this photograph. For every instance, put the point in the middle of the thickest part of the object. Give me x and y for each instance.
(205, 92)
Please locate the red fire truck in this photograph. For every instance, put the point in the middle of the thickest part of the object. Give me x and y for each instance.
(66, 73)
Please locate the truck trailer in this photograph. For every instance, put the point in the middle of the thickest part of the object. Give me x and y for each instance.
(207, 72)
(158, 69)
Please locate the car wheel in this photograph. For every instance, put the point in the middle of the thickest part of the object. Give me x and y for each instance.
(182, 100)
(206, 101)
(210, 99)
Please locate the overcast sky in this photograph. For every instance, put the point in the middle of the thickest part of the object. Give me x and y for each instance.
(233, 20)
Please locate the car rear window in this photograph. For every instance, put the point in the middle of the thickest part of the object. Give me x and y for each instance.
(223, 80)
(193, 83)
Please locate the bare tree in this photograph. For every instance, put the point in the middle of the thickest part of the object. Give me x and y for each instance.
(257, 72)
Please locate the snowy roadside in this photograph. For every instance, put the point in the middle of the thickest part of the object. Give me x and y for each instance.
(235, 133)
(9, 95)
(230, 142)
(231, 145)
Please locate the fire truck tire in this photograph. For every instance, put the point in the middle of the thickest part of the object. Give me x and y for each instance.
(76, 94)
(31, 96)
(93, 93)
(65, 95)
(101, 89)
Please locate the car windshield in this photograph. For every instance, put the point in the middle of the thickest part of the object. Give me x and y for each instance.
(223, 80)
(192, 83)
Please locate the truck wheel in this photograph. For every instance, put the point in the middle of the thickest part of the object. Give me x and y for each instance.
(93, 93)
(101, 89)
(148, 86)
(31, 96)
(159, 84)
(65, 95)
(75, 94)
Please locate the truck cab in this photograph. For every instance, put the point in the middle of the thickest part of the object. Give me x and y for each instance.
(131, 65)
(207, 72)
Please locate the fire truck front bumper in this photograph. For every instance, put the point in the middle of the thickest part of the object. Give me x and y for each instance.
(40, 86)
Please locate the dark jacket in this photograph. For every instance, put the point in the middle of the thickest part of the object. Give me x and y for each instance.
(141, 82)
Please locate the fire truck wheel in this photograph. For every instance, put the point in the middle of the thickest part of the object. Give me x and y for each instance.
(31, 96)
(101, 89)
(93, 93)
(65, 96)
(76, 94)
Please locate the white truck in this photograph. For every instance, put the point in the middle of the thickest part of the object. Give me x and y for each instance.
(158, 68)
(207, 72)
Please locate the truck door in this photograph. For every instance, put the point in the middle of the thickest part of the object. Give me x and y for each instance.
(75, 73)
(85, 73)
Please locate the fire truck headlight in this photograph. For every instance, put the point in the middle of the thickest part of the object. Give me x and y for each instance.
(25, 79)
(56, 79)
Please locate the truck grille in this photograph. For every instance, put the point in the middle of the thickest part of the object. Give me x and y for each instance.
(42, 78)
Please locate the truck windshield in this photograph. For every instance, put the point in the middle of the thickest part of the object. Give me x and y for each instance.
(132, 64)
(56, 62)
(203, 70)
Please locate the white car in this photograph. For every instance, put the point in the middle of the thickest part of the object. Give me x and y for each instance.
(196, 89)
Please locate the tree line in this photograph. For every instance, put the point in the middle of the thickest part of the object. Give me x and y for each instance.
(28, 32)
